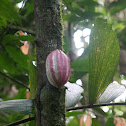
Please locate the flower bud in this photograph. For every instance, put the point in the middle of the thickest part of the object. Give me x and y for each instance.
(58, 68)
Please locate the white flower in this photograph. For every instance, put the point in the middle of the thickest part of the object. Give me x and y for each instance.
(111, 92)
(73, 94)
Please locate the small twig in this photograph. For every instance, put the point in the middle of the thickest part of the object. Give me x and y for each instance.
(94, 106)
(15, 80)
(21, 28)
(21, 121)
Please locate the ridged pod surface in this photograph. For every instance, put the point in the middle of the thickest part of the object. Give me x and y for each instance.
(58, 68)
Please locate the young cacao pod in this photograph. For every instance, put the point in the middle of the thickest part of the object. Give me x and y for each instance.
(58, 68)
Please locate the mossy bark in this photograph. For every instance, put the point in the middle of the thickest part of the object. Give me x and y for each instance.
(49, 101)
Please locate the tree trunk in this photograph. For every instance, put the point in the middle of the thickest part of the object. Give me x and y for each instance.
(49, 101)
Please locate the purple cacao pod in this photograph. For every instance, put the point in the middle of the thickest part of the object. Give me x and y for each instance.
(58, 68)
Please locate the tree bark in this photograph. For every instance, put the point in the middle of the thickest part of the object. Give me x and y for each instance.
(49, 101)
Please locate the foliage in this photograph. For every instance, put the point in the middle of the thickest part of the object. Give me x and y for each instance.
(103, 58)
(117, 6)
(6, 17)
(99, 59)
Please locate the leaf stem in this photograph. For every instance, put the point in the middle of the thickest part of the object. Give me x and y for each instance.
(29, 31)
(15, 80)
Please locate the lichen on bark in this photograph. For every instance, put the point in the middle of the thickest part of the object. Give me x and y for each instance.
(52, 104)
(50, 107)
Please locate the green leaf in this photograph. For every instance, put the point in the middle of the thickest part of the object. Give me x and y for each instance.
(3, 21)
(124, 115)
(73, 113)
(8, 11)
(117, 6)
(12, 40)
(6, 63)
(18, 56)
(81, 65)
(18, 1)
(3, 121)
(21, 94)
(26, 38)
(3, 83)
(100, 111)
(78, 11)
(110, 122)
(73, 122)
(103, 58)
(95, 122)
(75, 75)
(30, 123)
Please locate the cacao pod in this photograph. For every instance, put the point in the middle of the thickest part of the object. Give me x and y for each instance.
(58, 68)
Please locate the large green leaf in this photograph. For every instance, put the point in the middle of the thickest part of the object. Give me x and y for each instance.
(20, 106)
(103, 58)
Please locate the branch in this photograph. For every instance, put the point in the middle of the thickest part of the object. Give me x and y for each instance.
(21, 121)
(21, 28)
(94, 106)
(15, 80)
